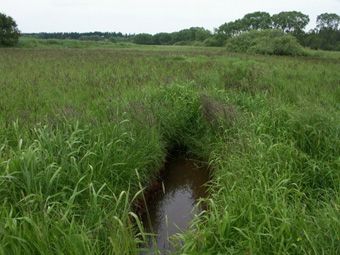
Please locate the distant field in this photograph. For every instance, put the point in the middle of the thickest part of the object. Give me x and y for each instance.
(81, 130)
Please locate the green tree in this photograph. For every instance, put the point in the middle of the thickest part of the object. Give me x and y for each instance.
(329, 21)
(202, 34)
(144, 38)
(290, 22)
(190, 35)
(162, 38)
(9, 32)
(187, 34)
(95, 38)
(327, 32)
(232, 28)
(257, 20)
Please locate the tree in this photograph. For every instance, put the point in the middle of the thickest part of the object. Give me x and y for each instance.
(162, 38)
(143, 38)
(329, 21)
(9, 33)
(327, 31)
(187, 34)
(257, 21)
(290, 22)
(202, 34)
(231, 28)
(190, 35)
(95, 38)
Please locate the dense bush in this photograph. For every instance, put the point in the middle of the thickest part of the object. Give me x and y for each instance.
(112, 39)
(269, 42)
(213, 42)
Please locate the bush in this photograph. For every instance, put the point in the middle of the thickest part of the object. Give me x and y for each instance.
(112, 39)
(338, 47)
(197, 43)
(212, 42)
(268, 42)
(182, 43)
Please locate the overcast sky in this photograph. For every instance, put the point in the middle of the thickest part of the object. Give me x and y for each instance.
(148, 16)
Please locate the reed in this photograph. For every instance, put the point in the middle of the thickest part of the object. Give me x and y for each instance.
(76, 125)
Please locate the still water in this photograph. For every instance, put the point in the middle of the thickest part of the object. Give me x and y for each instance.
(172, 208)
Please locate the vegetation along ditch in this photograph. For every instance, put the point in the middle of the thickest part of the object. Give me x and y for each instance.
(83, 132)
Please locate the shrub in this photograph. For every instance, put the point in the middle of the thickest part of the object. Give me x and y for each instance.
(268, 42)
(197, 43)
(212, 42)
(182, 43)
(338, 47)
(112, 39)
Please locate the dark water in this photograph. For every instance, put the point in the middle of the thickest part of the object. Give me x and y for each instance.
(172, 208)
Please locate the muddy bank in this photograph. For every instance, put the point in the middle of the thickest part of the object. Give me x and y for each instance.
(171, 202)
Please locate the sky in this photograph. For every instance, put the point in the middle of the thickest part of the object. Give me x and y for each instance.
(147, 16)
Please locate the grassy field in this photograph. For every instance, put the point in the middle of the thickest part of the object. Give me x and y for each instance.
(82, 130)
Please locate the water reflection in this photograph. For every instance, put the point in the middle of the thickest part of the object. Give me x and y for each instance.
(172, 210)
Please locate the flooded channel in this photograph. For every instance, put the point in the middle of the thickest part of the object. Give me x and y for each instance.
(172, 208)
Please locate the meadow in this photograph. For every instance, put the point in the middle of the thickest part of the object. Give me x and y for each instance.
(84, 131)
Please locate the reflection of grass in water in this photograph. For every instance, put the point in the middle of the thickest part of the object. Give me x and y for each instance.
(76, 123)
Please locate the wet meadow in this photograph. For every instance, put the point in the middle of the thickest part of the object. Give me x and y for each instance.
(83, 132)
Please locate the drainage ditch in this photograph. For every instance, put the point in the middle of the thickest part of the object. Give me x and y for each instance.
(171, 207)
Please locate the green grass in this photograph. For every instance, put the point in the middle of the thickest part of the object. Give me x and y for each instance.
(83, 130)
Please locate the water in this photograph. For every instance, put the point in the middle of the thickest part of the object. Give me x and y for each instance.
(172, 208)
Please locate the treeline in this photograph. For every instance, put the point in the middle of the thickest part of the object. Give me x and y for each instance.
(184, 37)
(325, 36)
(89, 36)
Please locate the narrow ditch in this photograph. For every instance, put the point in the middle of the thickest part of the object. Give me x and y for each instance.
(171, 207)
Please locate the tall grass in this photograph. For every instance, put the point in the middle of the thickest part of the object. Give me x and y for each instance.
(78, 125)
